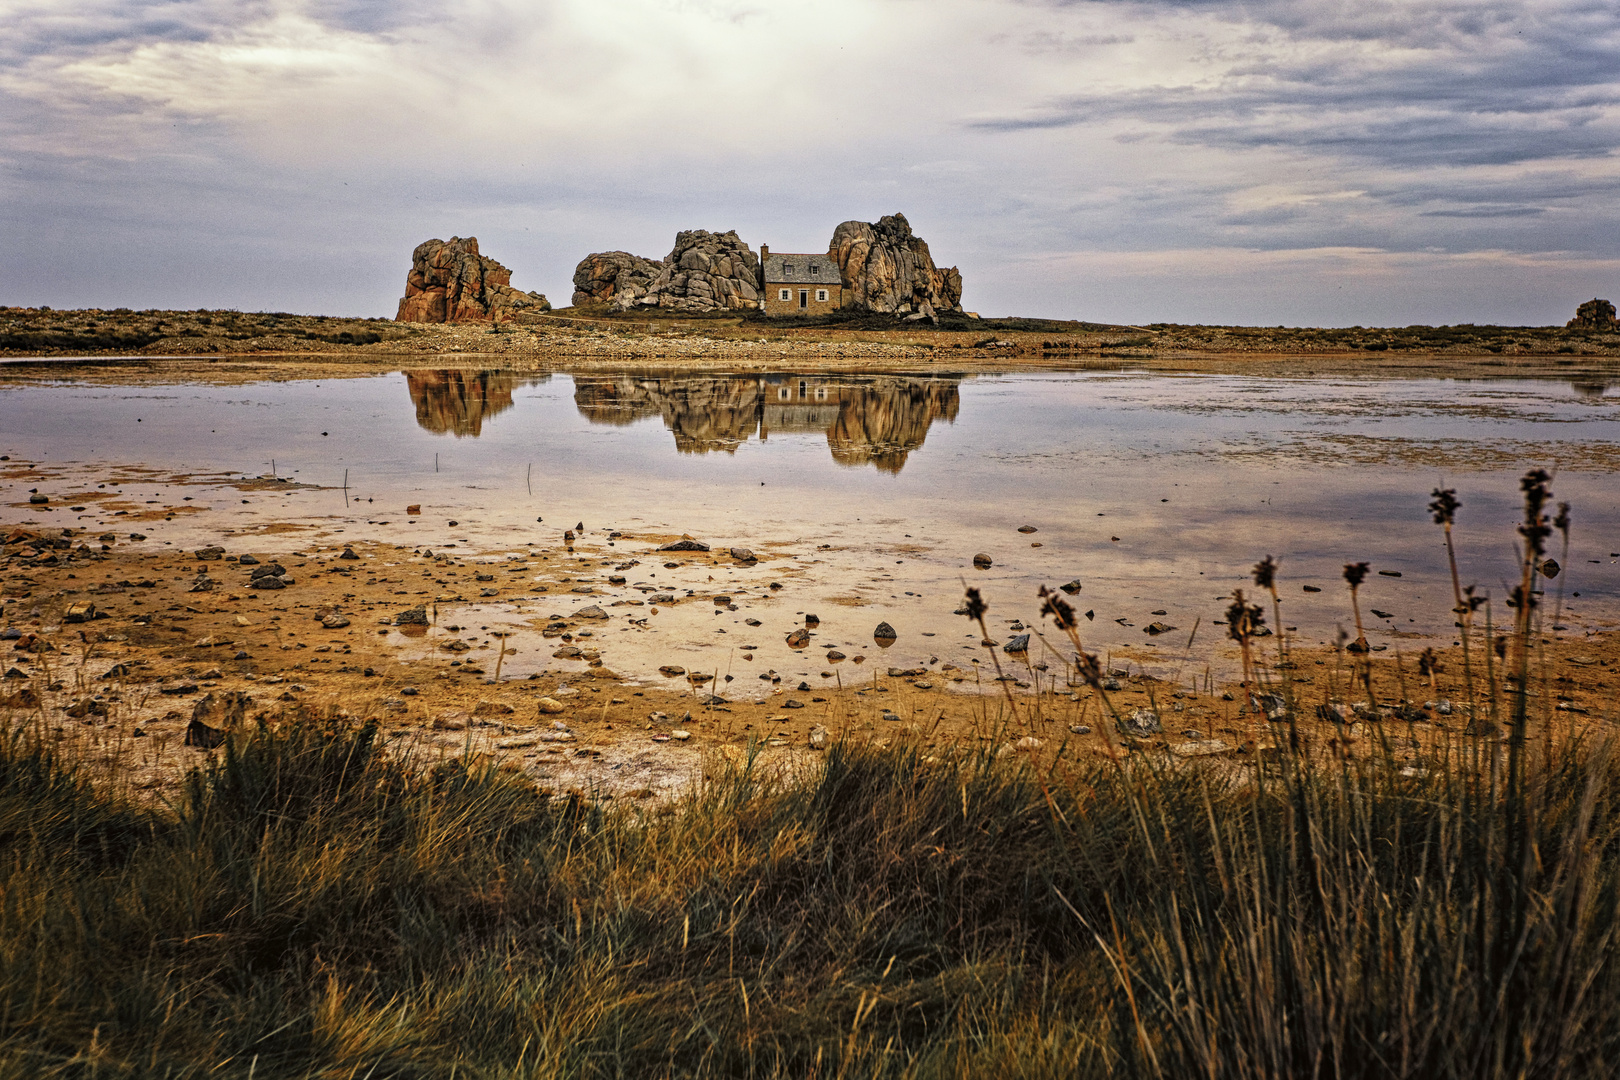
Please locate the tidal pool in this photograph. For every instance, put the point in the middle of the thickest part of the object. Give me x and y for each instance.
(866, 496)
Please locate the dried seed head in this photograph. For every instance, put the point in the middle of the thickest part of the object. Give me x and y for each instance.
(1536, 485)
(1243, 619)
(1429, 663)
(976, 607)
(1561, 522)
(1089, 669)
(1355, 573)
(1265, 573)
(1057, 607)
(1444, 507)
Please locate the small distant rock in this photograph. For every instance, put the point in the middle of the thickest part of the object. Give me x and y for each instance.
(1027, 529)
(798, 639)
(792, 703)
(685, 543)
(742, 554)
(670, 671)
(982, 561)
(818, 738)
(834, 655)
(334, 621)
(247, 560)
(1018, 643)
(348, 553)
(550, 706)
(416, 616)
(1079, 729)
(884, 632)
(210, 554)
(1156, 628)
(1029, 743)
(590, 612)
(1071, 587)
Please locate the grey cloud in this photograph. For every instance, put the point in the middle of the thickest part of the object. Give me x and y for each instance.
(1495, 85)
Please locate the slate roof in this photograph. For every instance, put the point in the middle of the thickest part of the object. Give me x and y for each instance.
(787, 269)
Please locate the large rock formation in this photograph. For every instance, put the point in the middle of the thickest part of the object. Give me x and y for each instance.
(451, 282)
(1595, 314)
(887, 268)
(705, 272)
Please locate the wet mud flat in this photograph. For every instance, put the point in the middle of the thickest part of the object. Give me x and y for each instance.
(141, 661)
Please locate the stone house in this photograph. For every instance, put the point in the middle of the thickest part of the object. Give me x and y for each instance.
(799, 284)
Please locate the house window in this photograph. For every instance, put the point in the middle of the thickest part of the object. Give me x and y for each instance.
(785, 294)
(814, 269)
(787, 268)
(821, 295)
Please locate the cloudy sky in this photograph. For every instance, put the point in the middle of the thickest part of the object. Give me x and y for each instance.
(1329, 162)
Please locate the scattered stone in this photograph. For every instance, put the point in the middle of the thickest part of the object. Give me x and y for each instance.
(982, 561)
(1018, 643)
(1027, 529)
(416, 616)
(818, 738)
(752, 622)
(334, 621)
(1550, 568)
(833, 656)
(792, 703)
(550, 706)
(1140, 723)
(210, 554)
(884, 632)
(680, 735)
(1079, 729)
(685, 543)
(1028, 744)
(38, 500)
(892, 718)
(1154, 629)
(79, 611)
(670, 671)
(590, 612)
(798, 639)
(742, 554)
(493, 708)
(906, 673)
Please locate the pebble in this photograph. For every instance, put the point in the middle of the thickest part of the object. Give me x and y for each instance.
(1018, 643)
(1080, 729)
(884, 632)
(792, 703)
(833, 655)
(247, 560)
(680, 735)
(1029, 743)
(1141, 722)
(348, 553)
(982, 561)
(416, 616)
(334, 621)
(798, 639)
(550, 706)
(818, 738)
(1027, 529)
(742, 554)
(590, 612)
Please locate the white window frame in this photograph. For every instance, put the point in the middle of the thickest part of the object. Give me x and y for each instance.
(784, 294)
(821, 296)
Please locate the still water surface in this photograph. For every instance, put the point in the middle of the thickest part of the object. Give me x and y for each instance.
(1156, 491)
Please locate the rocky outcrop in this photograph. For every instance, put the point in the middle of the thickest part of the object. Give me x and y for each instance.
(1595, 314)
(705, 272)
(887, 268)
(451, 282)
(600, 277)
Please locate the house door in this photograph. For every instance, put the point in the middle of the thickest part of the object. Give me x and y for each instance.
(804, 298)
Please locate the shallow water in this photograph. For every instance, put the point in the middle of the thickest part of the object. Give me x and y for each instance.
(867, 495)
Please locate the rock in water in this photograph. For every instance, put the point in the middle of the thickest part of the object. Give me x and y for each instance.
(798, 639)
(450, 281)
(685, 543)
(705, 271)
(416, 616)
(886, 268)
(982, 561)
(883, 633)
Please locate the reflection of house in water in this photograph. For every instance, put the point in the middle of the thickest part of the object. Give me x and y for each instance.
(877, 419)
(1591, 386)
(458, 401)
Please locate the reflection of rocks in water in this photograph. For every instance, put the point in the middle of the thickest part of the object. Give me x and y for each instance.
(876, 419)
(1590, 388)
(888, 418)
(458, 401)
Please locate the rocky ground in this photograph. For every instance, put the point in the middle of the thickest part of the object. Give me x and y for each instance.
(136, 657)
(750, 339)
